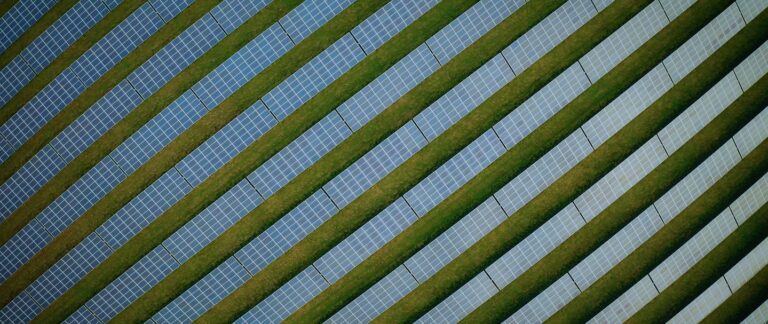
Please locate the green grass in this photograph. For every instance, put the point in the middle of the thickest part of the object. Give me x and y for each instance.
(61, 62)
(743, 301)
(710, 268)
(35, 30)
(148, 238)
(94, 217)
(477, 190)
(622, 211)
(112, 138)
(378, 197)
(310, 113)
(7, 5)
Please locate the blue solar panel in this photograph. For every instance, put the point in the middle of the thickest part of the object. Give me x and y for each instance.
(547, 34)
(20, 17)
(115, 45)
(81, 196)
(385, 23)
(21, 247)
(621, 178)
(375, 164)
(377, 298)
(132, 283)
(175, 56)
(20, 310)
(455, 240)
(169, 9)
(546, 303)
(226, 143)
(207, 292)
(366, 240)
(313, 77)
(387, 88)
(158, 132)
(287, 299)
(14, 76)
(464, 97)
(299, 155)
(73, 24)
(28, 179)
(309, 16)
(216, 218)
(143, 209)
(38, 111)
(87, 128)
(455, 173)
(231, 14)
(242, 66)
(286, 232)
(68, 270)
(463, 301)
(624, 41)
(468, 27)
(704, 43)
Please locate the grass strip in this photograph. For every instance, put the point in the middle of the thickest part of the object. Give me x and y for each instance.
(551, 200)
(622, 211)
(447, 145)
(710, 268)
(132, 122)
(742, 302)
(7, 5)
(148, 238)
(272, 142)
(429, 226)
(50, 17)
(99, 213)
(61, 62)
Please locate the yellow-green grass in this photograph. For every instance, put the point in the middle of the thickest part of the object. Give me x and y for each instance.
(307, 115)
(540, 209)
(622, 211)
(132, 122)
(147, 239)
(59, 64)
(50, 17)
(99, 213)
(7, 5)
(710, 268)
(493, 177)
(742, 302)
(432, 156)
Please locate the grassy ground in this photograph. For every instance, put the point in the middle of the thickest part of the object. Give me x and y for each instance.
(35, 30)
(61, 62)
(209, 124)
(710, 268)
(743, 301)
(378, 197)
(115, 136)
(261, 150)
(112, 138)
(621, 212)
(446, 214)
